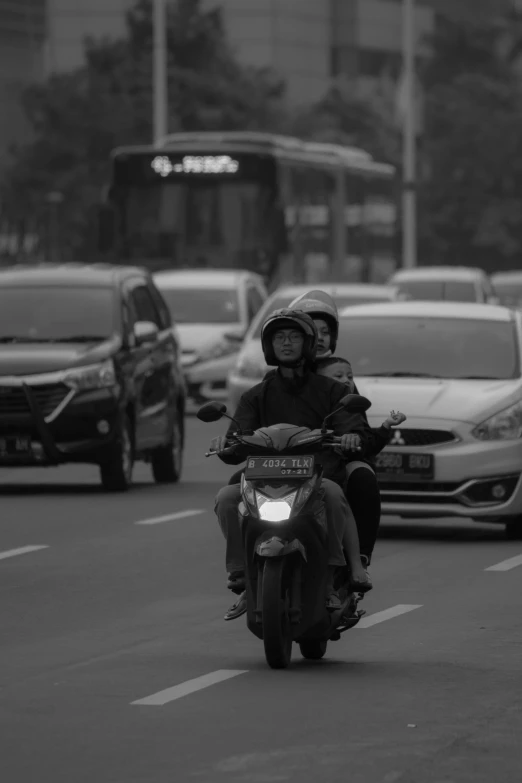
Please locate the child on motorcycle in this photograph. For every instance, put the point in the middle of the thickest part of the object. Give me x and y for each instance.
(341, 370)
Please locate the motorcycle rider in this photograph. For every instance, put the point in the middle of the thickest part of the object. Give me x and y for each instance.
(362, 489)
(293, 394)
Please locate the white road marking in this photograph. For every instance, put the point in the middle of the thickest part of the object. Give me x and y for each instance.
(506, 565)
(190, 686)
(190, 512)
(23, 550)
(386, 614)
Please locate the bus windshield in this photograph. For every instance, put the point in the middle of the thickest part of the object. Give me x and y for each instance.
(193, 218)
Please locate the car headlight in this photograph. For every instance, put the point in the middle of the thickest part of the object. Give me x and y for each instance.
(275, 509)
(94, 376)
(250, 368)
(505, 425)
(217, 350)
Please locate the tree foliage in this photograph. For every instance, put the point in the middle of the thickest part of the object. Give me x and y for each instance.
(78, 117)
(471, 201)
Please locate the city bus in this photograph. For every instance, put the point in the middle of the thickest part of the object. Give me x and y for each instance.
(289, 209)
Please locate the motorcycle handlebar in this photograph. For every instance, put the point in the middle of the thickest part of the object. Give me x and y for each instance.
(332, 443)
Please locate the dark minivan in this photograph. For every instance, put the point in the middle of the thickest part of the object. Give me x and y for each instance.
(89, 371)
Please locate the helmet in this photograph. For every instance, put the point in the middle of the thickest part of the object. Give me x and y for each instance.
(319, 304)
(289, 319)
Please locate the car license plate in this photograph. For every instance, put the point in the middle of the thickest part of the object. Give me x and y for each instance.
(398, 463)
(279, 467)
(14, 446)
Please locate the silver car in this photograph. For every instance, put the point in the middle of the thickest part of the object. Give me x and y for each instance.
(455, 371)
(444, 283)
(212, 309)
(249, 366)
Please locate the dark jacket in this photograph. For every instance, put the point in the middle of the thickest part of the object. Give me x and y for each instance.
(305, 403)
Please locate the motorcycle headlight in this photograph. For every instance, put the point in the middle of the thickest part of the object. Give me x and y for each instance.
(505, 425)
(275, 509)
(94, 376)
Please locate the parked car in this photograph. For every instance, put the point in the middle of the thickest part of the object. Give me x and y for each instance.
(212, 309)
(249, 366)
(455, 370)
(444, 283)
(89, 372)
(508, 287)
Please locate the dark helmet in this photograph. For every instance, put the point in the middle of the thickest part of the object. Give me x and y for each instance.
(289, 319)
(319, 304)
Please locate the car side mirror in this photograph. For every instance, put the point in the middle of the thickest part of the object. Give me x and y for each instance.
(145, 332)
(211, 411)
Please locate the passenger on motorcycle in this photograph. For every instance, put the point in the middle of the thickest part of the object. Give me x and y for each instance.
(294, 395)
(362, 489)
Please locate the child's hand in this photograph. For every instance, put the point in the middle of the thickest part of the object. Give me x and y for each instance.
(395, 418)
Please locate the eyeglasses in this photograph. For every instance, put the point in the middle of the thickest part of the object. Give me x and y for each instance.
(292, 337)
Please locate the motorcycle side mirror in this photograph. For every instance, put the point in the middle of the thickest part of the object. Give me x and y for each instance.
(355, 402)
(211, 411)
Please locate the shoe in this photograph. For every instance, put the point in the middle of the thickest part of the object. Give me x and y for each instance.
(236, 582)
(361, 587)
(237, 609)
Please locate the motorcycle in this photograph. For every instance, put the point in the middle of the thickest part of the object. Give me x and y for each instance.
(285, 543)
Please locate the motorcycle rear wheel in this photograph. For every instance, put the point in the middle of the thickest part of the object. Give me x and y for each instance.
(277, 630)
(313, 649)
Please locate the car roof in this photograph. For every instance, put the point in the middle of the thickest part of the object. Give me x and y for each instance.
(420, 309)
(513, 276)
(438, 273)
(202, 278)
(335, 289)
(97, 275)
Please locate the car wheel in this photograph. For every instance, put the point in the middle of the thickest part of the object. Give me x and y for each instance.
(116, 471)
(167, 461)
(513, 529)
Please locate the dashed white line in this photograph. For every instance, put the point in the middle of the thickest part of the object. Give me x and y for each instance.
(23, 550)
(386, 614)
(190, 686)
(190, 512)
(506, 565)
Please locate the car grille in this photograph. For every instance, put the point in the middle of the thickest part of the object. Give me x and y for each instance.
(48, 396)
(411, 437)
(445, 487)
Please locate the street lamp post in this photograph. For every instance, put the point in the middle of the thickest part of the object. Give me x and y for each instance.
(409, 195)
(159, 71)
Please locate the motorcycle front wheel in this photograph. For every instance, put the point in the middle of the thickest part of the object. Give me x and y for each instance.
(277, 629)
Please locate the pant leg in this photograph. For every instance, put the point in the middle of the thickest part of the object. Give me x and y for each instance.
(337, 510)
(226, 508)
(364, 497)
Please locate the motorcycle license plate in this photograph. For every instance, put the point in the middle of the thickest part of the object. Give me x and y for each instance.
(401, 465)
(15, 446)
(279, 467)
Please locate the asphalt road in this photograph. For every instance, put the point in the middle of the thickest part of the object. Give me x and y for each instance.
(110, 612)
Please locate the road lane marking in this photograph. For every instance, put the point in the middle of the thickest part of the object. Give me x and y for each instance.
(190, 686)
(23, 550)
(386, 614)
(190, 512)
(506, 565)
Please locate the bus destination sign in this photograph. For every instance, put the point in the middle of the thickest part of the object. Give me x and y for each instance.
(164, 166)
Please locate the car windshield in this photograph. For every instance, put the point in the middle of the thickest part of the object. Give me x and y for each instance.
(202, 305)
(283, 301)
(509, 293)
(437, 347)
(42, 313)
(437, 290)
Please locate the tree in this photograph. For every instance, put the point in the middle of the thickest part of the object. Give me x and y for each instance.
(346, 115)
(79, 117)
(471, 202)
